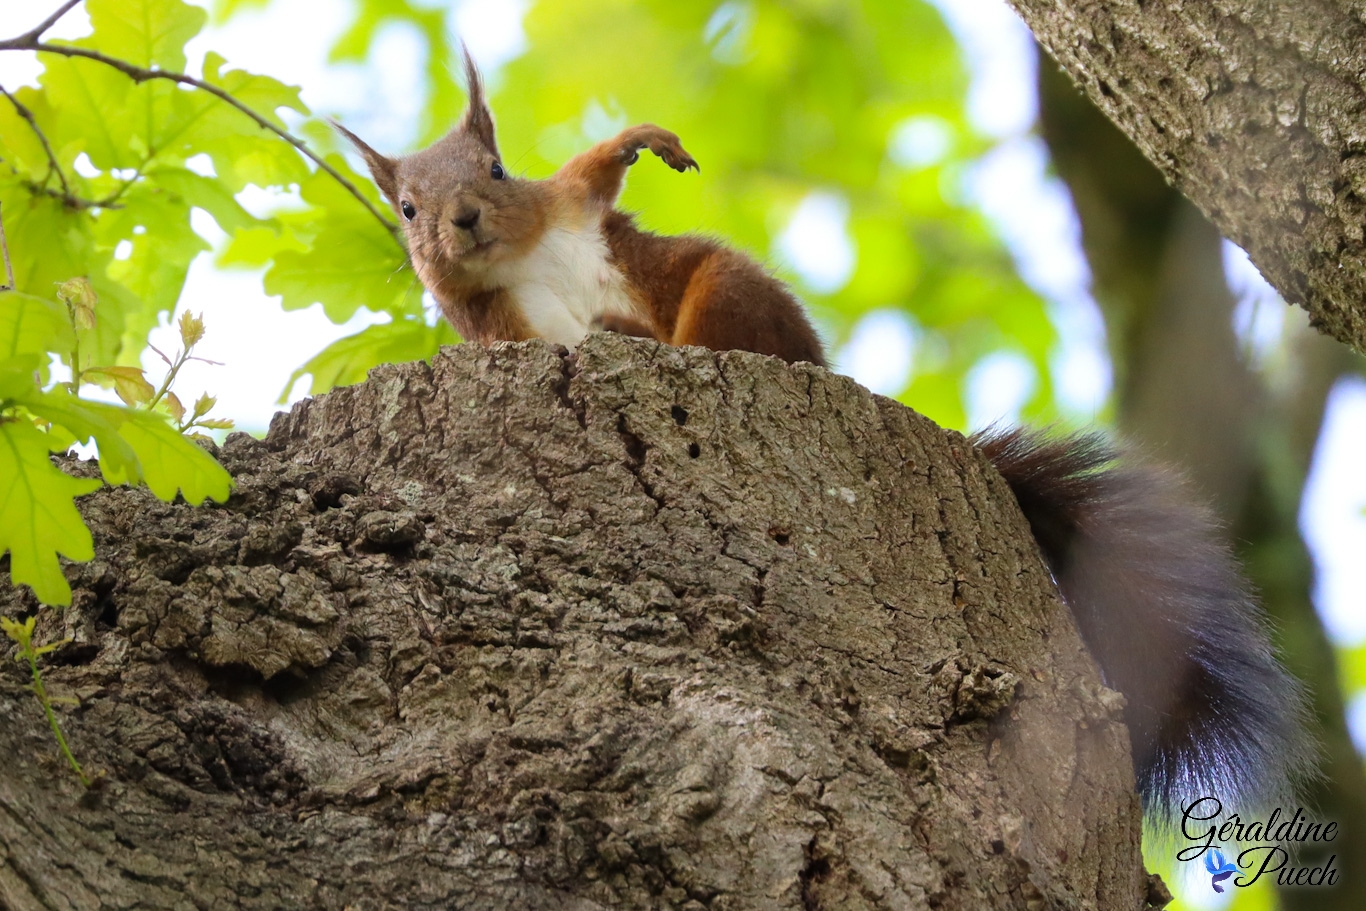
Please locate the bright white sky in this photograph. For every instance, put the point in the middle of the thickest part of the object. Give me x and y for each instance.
(260, 345)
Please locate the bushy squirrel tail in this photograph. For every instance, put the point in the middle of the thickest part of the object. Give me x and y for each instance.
(1165, 610)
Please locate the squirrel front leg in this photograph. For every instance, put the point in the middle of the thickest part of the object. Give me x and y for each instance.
(599, 172)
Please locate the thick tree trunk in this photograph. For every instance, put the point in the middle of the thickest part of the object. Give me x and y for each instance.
(642, 627)
(1253, 109)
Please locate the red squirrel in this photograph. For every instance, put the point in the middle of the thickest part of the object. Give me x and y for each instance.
(1158, 597)
(510, 259)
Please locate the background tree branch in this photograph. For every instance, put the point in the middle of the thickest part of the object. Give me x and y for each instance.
(1253, 110)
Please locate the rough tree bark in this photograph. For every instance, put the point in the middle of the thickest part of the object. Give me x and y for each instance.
(640, 627)
(1254, 110)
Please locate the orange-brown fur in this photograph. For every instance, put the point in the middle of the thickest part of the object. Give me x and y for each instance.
(470, 232)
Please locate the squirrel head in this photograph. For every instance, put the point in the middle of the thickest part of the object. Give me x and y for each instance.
(460, 209)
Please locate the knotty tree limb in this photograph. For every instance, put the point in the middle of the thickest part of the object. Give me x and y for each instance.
(642, 627)
(1254, 111)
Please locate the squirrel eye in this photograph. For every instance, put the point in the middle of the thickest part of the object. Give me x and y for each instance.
(408, 210)
(498, 172)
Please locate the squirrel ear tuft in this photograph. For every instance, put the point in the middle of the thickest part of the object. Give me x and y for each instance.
(383, 170)
(478, 119)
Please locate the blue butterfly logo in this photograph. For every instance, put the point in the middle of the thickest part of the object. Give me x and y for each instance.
(1219, 867)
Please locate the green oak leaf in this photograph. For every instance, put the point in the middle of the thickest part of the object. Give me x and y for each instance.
(206, 193)
(349, 359)
(149, 33)
(136, 446)
(91, 104)
(171, 463)
(29, 324)
(82, 421)
(23, 149)
(156, 226)
(38, 515)
(353, 261)
(51, 244)
(243, 152)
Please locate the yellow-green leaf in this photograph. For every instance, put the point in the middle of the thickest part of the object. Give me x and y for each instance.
(21, 633)
(38, 515)
(78, 294)
(50, 647)
(175, 407)
(145, 32)
(86, 421)
(203, 404)
(129, 383)
(28, 324)
(349, 359)
(171, 463)
(136, 446)
(191, 329)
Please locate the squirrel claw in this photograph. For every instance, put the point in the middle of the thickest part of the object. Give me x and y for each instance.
(677, 159)
(661, 142)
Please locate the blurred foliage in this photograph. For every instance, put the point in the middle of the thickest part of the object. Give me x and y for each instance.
(776, 100)
(779, 100)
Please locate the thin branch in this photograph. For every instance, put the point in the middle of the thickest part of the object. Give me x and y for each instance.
(36, 32)
(71, 199)
(142, 74)
(52, 164)
(30, 42)
(9, 269)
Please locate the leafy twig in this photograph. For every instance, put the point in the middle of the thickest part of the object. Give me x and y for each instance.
(80, 298)
(22, 634)
(52, 165)
(30, 42)
(71, 199)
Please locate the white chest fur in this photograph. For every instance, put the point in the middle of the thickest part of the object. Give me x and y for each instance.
(565, 283)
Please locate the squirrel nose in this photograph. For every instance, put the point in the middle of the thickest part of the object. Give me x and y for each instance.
(467, 218)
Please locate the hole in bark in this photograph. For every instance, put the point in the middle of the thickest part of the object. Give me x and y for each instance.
(74, 655)
(780, 535)
(635, 446)
(232, 682)
(286, 688)
(109, 613)
(329, 492)
(816, 869)
(694, 450)
(1106, 90)
(998, 846)
(680, 415)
